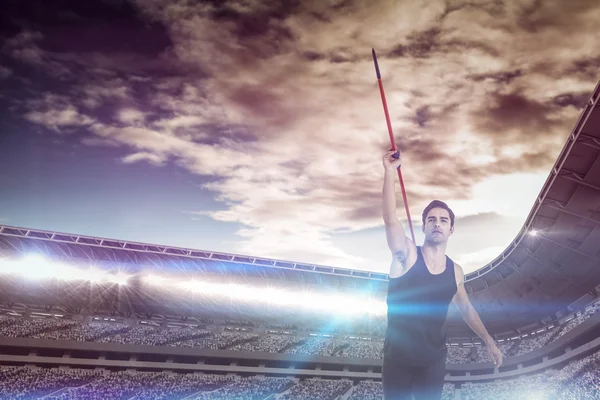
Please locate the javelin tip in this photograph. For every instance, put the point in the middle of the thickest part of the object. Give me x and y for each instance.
(376, 63)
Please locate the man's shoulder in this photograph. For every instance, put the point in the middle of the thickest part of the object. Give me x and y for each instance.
(459, 273)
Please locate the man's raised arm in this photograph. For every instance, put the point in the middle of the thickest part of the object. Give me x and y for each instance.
(394, 232)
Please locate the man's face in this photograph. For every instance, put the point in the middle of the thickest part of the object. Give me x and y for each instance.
(437, 227)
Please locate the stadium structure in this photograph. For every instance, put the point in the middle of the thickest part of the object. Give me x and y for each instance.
(94, 318)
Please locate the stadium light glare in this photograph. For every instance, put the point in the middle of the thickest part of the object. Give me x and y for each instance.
(34, 258)
(119, 279)
(234, 290)
(279, 297)
(203, 287)
(339, 305)
(155, 280)
(10, 266)
(312, 301)
(35, 267)
(326, 303)
(93, 275)
(67, 273)
(533, 232)
(34, 271)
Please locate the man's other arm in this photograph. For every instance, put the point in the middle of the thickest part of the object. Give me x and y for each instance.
(471, 317)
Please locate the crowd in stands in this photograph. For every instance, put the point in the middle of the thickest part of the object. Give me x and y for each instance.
(370, 390)
(578, 380)
(538, 341)
(154, 336)
(24, 383)
(216, 338)
(18, 383)
(367, 390)
(317, 389)
(29, 327)
(169, 386)
(269, 343)
(363, 349)
(319, 346)
(85, 332)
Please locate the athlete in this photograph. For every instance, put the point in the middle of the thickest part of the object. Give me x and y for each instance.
(423, 281)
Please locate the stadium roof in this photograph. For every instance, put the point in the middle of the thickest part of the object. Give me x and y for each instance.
(553, 263)
(555, 259)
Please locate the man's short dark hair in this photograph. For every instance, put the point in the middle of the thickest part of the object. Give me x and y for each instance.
(438, 204)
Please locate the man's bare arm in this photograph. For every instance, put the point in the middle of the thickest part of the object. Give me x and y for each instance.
(395, 235)
(467, 311)
(461, 299)
(399, 244)
(472, 319)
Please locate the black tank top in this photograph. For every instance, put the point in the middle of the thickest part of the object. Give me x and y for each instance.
(417, 308)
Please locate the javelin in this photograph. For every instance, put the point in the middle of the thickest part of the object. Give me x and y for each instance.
(393, 142)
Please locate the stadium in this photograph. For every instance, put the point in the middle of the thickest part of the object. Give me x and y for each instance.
(96, 318)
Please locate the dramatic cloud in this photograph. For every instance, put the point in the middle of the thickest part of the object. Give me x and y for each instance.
(277, 102)
(56, 113)
(4, 72)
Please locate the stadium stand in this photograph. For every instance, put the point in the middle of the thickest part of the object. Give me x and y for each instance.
(577, 380)
(72, 384)
(189, 337)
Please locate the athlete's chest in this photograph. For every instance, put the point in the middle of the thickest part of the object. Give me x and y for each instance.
(437, 272)
(419, 284)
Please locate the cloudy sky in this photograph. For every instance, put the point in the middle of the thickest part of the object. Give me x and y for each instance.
(256, 126)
